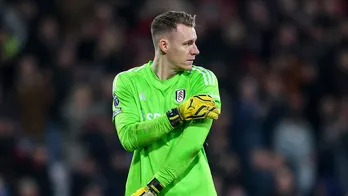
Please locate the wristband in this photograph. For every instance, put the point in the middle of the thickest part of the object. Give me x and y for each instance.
(174, 117)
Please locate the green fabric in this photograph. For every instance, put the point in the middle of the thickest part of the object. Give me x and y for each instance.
(175, 157)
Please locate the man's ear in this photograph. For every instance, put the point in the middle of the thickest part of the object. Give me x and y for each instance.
(164, 45)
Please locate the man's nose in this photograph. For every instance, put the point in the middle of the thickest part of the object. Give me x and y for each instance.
(195, 50)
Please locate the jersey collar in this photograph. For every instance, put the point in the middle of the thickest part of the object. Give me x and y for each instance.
(156, 82)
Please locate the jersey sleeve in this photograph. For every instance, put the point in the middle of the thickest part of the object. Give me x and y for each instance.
(134, 134)
(191, 140)
(206, 83)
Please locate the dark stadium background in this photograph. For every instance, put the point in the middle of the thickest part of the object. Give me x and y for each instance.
(283, 72)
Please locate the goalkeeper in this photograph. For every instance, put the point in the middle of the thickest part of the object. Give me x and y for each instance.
(163, 111)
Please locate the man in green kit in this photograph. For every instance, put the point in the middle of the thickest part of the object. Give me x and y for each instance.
(163, 111)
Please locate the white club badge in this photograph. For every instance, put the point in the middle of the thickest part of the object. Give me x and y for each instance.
(180, 95)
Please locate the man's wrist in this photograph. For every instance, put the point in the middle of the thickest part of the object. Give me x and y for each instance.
(174, 117)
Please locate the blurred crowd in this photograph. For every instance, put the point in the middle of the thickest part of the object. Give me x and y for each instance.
(282, 67)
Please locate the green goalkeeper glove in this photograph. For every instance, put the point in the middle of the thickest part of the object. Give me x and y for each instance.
(197, 107)
(151, 189)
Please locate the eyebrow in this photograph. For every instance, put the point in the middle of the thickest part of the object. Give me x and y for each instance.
(190, 40)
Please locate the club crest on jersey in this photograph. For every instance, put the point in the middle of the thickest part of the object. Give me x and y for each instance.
(116, 100)
(180, 95)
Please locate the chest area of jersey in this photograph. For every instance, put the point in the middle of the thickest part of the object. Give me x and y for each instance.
(154, 102)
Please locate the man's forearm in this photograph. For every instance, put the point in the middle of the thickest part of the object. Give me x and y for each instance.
(185, 151)
(141, 134)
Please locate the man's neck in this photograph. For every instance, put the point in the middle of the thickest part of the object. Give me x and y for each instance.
(162, 68)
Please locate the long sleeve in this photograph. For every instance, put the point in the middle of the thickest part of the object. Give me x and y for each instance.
(193, 137)
(134, 134)
(186, 149)
(140, 134)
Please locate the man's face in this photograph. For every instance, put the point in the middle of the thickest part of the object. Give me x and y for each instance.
(182, 48)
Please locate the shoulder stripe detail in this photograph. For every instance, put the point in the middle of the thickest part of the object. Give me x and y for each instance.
(207, 74)
(138, 68)
(203, 74)
(213, 77)
(134, 69)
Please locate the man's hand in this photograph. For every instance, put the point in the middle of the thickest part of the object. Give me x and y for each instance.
(197, 107)
(151, 189)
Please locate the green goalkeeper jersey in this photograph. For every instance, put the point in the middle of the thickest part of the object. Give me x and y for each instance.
(175, 156)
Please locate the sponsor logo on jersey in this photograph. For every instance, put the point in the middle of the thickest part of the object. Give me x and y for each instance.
(151, 116)
(116, 100)
(180, 95)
